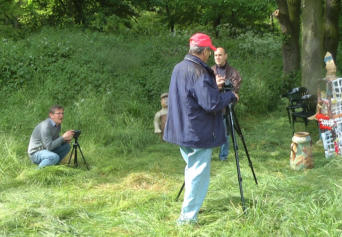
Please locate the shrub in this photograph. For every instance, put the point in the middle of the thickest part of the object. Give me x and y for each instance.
(110, 84)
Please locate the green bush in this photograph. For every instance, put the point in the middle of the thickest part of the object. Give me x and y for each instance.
(110, 84)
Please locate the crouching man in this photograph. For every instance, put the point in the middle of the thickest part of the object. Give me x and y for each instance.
(46, 146)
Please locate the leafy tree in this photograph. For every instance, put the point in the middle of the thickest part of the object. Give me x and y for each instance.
(56, 12)
(288, 14)
(9, 10)
(240, 14)
(331, 29)
(116, 13)
(319, 33)
(312, 44)
(81, 12)
(121, 9)
(176, 11)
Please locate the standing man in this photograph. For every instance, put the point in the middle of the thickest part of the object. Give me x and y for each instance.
(194, 120)
(46, 146)
(224, 71)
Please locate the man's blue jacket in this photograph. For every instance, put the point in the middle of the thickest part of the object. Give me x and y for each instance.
(194, 112)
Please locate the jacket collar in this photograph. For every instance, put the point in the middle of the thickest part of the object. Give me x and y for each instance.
(53, 123)
(226, 67)
(197, 60)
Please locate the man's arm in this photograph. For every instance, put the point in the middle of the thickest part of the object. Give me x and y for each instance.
(49, 138)
(235, 78)
(209, 97)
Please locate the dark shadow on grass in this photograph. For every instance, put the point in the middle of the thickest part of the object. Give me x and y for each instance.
(12, 184)
(319, 160)
(219, 206)
(225, 204)
(51, 175)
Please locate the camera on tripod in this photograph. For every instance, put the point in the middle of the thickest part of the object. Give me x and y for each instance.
(228, 86)
(77, 133)
(76, 147)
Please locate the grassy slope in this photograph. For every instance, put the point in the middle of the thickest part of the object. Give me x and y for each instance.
(111, 87)
(133, 195)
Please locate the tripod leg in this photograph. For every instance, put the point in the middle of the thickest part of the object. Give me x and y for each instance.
(293, 124)
(180, 191)
(237, 128)
(83, 156)
(288, 114)
(231, 125)
(75, 158)
(72, 152)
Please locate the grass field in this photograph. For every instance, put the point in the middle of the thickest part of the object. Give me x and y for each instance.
(110, 87)
(134, 194)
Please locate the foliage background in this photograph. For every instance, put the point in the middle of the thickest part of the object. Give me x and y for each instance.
(109, 83)
(108, 68)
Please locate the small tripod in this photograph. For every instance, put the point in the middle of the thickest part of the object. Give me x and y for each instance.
(74, 149)
(233, 124)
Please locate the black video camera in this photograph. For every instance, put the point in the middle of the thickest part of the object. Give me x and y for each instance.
(77, 133)
(228, 86)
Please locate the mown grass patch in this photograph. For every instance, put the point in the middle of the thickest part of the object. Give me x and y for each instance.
(134, 194)
(110, 87)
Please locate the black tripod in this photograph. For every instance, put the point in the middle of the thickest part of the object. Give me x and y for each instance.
(233, 124)
(74, 151)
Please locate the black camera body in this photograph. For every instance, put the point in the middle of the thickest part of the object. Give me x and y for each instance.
(77, 133)
(228, 86)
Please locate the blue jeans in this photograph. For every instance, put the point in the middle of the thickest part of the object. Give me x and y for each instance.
(224, 148)
(45, 158)
(196, 175)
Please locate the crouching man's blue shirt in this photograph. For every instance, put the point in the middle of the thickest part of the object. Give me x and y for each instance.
(195, 104)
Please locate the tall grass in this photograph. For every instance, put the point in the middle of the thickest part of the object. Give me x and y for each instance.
(133, 194)
(110, 84)
(110, 87)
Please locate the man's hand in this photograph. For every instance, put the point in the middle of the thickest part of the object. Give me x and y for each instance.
(68, 135)
(237, 96)
(220, 81)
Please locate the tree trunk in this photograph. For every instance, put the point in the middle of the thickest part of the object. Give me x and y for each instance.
(331, 32)
(216, 23)
(312, 44)
(78, 11)
(171, 22)
(172, 26)
(288, 16)
(294, 16)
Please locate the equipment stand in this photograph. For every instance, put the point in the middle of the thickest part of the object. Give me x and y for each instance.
(233, 125)
(74, 151)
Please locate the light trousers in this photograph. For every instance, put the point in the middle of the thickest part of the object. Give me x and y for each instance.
(224, 148)
(46, 158)
(196, 175)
